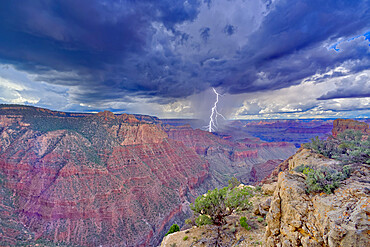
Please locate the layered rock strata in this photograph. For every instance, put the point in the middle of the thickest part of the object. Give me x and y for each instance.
(94, 180)
(243, 158)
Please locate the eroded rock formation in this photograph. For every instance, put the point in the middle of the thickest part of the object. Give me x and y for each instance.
(339, 125)
(297, 218)
(92, 179)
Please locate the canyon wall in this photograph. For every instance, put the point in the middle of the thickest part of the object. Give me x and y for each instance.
(103, 179)
(93, 179)
(230, 157)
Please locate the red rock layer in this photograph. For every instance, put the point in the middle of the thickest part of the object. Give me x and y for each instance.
(339, 125)
(240, 155)
(118, 183)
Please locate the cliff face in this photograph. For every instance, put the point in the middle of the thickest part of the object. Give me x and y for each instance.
(339, 125)
(92, 180)
(296, 218)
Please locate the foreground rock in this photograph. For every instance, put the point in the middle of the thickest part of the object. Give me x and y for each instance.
(296, 218)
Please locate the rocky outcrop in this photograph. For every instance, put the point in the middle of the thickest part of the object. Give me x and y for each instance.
(339, 125)
(92, 180)
(296, 218)
(230, 234)
(302, 157)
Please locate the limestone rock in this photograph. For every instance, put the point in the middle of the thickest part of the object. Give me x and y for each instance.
(268, 189)
(263, 207)
(296, 218)
(307, 157)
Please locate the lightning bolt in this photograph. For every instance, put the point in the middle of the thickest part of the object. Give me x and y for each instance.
(213, 123)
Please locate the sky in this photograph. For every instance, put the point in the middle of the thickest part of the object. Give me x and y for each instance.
(267, 58)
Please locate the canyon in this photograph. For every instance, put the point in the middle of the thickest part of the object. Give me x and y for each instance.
(103, 179)
(229, 156)
(286, 214)
(81, 179)
(92, 180)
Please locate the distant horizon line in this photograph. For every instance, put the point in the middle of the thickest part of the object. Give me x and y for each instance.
(237, 119)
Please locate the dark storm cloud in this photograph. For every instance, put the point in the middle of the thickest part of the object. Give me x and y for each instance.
(84, 34)
(350, 88)
(111, 50)
(344, 93)
(94, 39)
(288, 46)
(67, 34)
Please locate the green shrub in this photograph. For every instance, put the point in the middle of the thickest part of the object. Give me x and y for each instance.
(185, 238)
(324, 179)
(243, 223)
(307, 170)
(203, 220)
(218, 204)
(346, 170)
(173, 228)
(233, 182)
(350, 146)
(259, 219)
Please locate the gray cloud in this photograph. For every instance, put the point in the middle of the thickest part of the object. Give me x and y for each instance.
(166, 51)
(358, 87)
